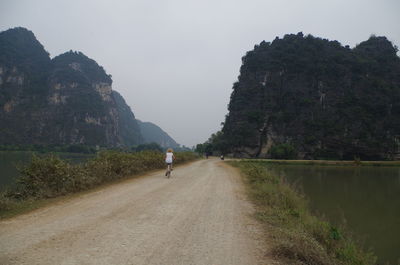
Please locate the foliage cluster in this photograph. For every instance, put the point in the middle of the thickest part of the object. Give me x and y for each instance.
(30, 51)
(88, 69)
(49, 176)
(297, 235)
(22, 56)
(19, 48)
(283, 151)
(148, 147)
(216, 144)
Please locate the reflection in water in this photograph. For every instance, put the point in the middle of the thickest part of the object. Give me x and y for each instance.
(366, 199)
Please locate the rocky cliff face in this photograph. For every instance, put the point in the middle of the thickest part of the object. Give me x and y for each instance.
(319, 98)
(66, 100)
(128, 125)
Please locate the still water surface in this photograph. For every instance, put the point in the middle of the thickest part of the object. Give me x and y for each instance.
(10, 160)
(366, 199)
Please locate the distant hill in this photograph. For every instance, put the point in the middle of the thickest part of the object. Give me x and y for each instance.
(153, 134)
(65, 100)
(307, 97)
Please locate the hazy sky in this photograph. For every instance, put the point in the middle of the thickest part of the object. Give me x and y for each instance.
(174, 61)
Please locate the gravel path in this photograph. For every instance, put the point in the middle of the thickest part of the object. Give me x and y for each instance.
(198, 216)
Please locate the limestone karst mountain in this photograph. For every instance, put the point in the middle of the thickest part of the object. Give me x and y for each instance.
(307, 97)
(64, 100)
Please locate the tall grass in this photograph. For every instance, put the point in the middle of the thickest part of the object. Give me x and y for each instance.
(50, 176)
(297, 236)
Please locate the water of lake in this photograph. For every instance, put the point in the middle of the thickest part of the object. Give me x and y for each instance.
(366, 199)
(10, 160)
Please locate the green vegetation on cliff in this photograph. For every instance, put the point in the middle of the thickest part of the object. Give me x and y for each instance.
(74, 66)
(307, 97)
(20, 50)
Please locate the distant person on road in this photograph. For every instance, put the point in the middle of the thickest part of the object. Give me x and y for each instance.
(169, 157)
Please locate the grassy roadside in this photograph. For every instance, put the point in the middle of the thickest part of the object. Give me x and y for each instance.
(50, 179)
(328, 162)
(297, 237)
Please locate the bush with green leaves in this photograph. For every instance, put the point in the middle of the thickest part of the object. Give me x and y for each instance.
(147, 147)
(45, 177)
(49, 176)
(283, 151)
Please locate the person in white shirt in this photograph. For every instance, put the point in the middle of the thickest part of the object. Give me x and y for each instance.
(169, 157)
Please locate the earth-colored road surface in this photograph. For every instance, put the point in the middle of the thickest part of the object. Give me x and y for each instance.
(198, 216)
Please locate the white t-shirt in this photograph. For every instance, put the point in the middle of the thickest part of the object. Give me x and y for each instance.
(168, 159)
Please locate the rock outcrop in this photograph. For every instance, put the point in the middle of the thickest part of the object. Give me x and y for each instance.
(128, 126)
(317, 97)
(64, 100)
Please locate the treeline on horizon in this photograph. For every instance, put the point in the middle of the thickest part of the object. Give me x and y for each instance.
(86, 149)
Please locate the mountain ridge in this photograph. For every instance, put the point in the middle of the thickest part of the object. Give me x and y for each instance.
(154, 134)
(65, 100)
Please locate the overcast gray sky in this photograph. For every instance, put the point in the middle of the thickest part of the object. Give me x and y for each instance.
(174, 61)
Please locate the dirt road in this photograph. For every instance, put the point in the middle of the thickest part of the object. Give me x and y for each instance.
(199, 216)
